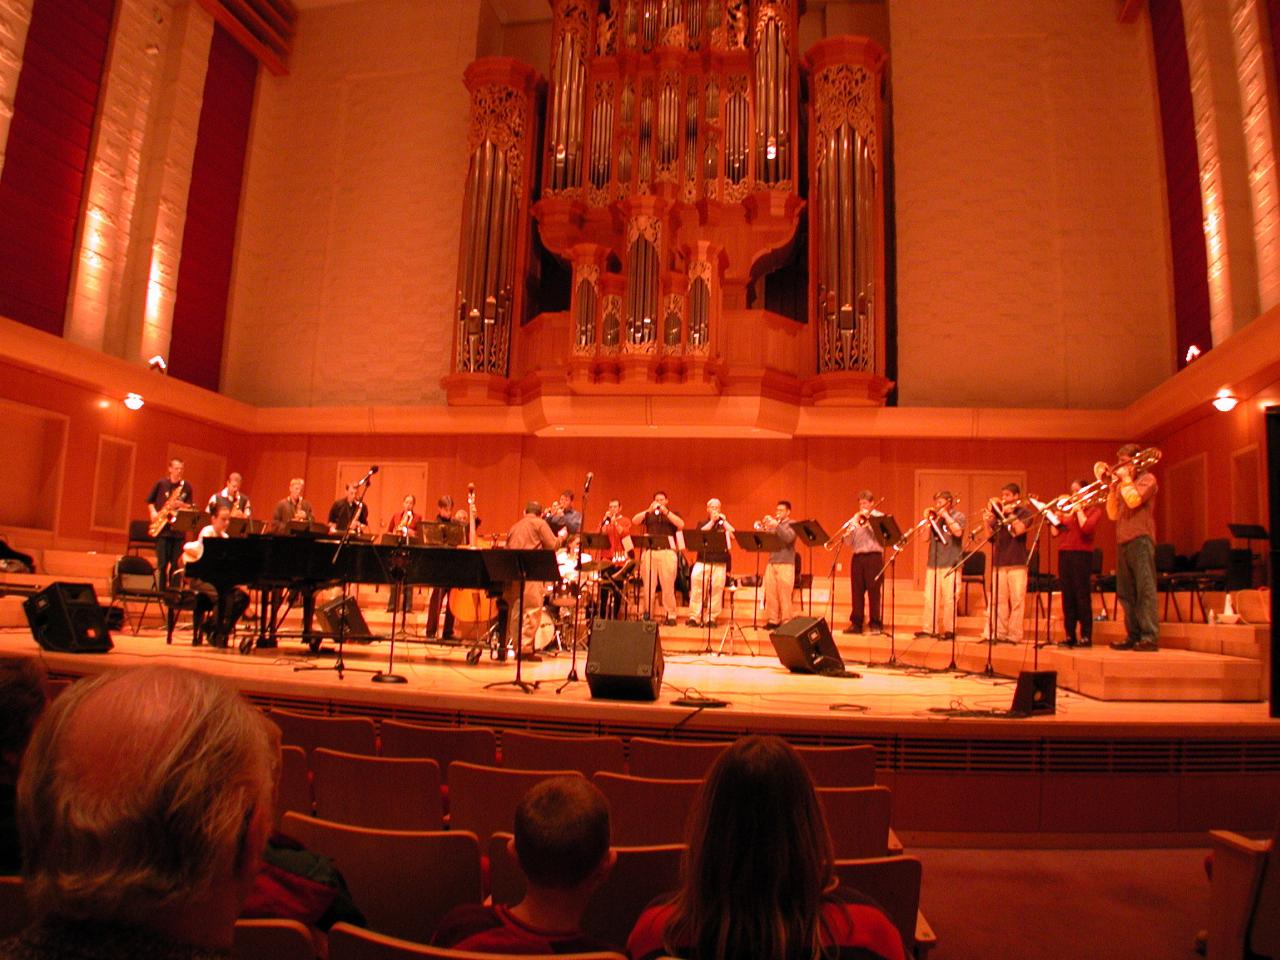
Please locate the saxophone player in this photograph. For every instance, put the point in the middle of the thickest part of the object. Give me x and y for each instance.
(346, 514)
(168, 492)
(292, 507)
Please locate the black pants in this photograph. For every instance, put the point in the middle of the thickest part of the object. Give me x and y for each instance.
(434, 602)
(168, 551)
(862, 575)
(217, 613)
(401, 598)
(1075, 567)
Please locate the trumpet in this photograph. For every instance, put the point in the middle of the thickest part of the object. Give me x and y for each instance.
(767, 522)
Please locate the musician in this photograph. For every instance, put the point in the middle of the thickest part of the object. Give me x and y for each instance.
(168, 541)
(1008, 526)
(780, 572)
(711, 568)
(530, 532)
(562, 518)
(1131, 504)
(617, 527)
(868, 558)
(438, 597)
(293, 507)
(659, 566)
(226, 607)
(404, 523)
(346, 514)
(231, 496)
(1075, 568)
(945, 529)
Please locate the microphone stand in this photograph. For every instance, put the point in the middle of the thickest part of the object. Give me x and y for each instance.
(577, 599)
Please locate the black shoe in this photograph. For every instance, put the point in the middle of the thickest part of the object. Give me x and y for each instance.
(531, 657)
(1146, 646)
(1124, 645)
(771, 625)
(1086, 642)
(713, 624)
(671, 621)
(691, 622)
(267, 644)
(946, 636)
(921, 634)
(1069, 642)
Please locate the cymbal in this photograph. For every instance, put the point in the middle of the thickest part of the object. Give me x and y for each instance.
(591, 565)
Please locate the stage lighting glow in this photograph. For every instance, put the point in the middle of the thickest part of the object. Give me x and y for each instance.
(1193, 353)
(1225, 401)
(133, 401)
(158, 364)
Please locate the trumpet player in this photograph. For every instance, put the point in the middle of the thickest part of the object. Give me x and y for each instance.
(659, 567)
(563, 520)
(945, 526)
(868, 558)
(1130, 503)
(780, 572)
(1075, 566)
(1007, 519)
(710, 570)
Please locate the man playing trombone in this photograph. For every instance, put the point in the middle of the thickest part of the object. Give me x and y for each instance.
(1007, 518)
(868, 558)
(1130, 503)
(945, 526)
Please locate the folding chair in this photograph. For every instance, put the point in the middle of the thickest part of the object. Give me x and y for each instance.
(646, 811)
(483, 799)
(346, 734)
(133, 581)
(386, 793)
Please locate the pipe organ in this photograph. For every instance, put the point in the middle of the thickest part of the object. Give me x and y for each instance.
(667, 184)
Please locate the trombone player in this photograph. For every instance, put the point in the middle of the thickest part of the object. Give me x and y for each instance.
(1007, 519)
(1130, 503)
(868, 558)
(946, 537)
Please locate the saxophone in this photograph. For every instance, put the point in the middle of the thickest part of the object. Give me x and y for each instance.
(170, 510)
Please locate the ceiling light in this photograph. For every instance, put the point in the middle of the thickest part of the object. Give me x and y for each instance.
(1225, 401)
(133, 401)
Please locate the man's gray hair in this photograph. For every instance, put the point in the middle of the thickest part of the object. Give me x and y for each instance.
(139, 791)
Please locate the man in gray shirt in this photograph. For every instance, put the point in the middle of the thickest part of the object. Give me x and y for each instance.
(780, 574)
(945, 530)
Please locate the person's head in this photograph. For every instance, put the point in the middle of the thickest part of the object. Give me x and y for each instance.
(1127, 451)
(713, 507)
(295, 487)
(462, 517)
(1010, 492)
(566, 500)
(562, 835)
(943, 500)
(233, 483)
(660, 498)
(782, 510)
(24, 691)
(760, 857)
(444, 506)
(866, 499)
(1078, 485)
(176, 466)
(534, 508)
(146, 796)
(351, 492)
(220, 518)
(409, 502)
(615, 507)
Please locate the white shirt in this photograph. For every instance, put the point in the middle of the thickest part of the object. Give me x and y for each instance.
(193, 550)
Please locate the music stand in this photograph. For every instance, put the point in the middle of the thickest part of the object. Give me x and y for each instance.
(884, 527)
(1249, 532)
(811, 534)
(700, 542)
(521, 566)
(757, 542)
(188, 522)
(441, 533)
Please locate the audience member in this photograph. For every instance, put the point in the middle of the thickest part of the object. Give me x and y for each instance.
(145, 798)
(24, 691)
(759, 880)
(562, 845)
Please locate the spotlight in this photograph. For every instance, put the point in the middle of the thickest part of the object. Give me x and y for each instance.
(158, 364)
(1225, 401)
(133, 401)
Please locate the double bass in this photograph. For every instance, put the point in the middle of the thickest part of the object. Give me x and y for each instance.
(473, 610)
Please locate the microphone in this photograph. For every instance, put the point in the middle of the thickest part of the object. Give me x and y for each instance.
(367, 476)
(586, 487)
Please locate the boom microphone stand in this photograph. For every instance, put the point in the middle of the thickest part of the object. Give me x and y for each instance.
(577, 599)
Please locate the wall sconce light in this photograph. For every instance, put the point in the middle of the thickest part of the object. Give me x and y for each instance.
(1225, 401)
(1193, 353)
(771, 149)
(158, 364)
(133, 401)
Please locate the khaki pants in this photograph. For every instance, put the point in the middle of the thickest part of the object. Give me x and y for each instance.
(714, 574)
(659, 567)
(779, 584)
(1011, 589)
(534, 591)
(939, 608)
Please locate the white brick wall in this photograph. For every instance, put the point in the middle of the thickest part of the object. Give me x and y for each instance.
(15, 17)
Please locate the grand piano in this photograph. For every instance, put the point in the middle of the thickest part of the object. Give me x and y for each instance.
(307, 564)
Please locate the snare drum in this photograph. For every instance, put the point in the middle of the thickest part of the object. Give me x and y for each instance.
(564, 594)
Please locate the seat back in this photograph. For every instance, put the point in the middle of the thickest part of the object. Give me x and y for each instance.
(442, 744)
(295, 783)
(1263, 937)
(273, 939)
(1166, 558)
(1097, 561)
(346, 734)
(975, 567)
(483, 799)
(536, 751)
(673, 759)
(355, 943)
(853, 766)
(645, 811)
(893, 883)
(1214, 556)
(858, 820)
(387, 793)
(14, 912)
(404, 881)
(132, 575)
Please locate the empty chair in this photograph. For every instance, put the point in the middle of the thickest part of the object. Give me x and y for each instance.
(14, 914)
(858, 820)
(295, 783)
(840, 766)
(354, 943)
(388, 793)
(442, 744)
(672, 759)
(403, 881)
(974, 571)
(483, 799)
(133, 581)
(1210, 574)
(273, 940)
(347, 734)
(639, 876)
(894, 884)
(646, 811)
(536, 751)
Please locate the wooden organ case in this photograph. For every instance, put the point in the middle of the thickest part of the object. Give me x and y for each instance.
(670, 185)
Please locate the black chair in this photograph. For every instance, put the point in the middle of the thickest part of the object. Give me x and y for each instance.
(1166, 570)
(1103, 583)
(1043, 585)
(133, 581)
(974, 571)
(1210, 573)
(139, 537)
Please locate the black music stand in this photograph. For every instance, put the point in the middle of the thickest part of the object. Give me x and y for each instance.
(1249, 532)
(521, 566)
(757, 542)
(647, 543)
(889, 535)
(700, 541)
(446, 533)
(811, 534)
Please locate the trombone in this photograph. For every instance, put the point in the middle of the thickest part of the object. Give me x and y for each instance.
(859, 519)
(1095, 493)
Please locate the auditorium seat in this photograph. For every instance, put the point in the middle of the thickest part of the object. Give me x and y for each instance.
(441, 744)
(13, 906)
(403, 881)
(672, 759)
(273, 939)
(858, 820)
(483, 799)
(294, 792)
(893, 883)
(853, 766)
(646, 810)
(640, 876)
(536, 751)
(354, 943)
(347, 734)
(386, 793)
(1244, 899)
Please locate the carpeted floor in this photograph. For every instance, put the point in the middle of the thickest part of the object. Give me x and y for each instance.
(1064, 904)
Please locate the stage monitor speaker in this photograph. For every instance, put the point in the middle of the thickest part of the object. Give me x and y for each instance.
(330, 616)
(67, 618)
(624, 660)
(805, 645)
(1036, 694)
